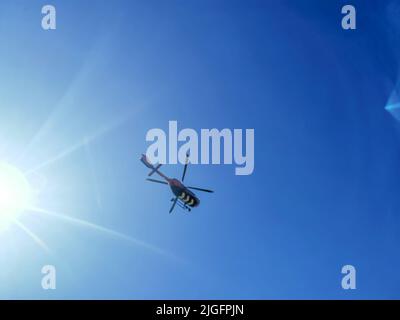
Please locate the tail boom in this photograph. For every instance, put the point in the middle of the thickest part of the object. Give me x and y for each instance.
(154, 169)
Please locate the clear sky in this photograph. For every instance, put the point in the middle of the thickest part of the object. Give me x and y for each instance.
(76, 104)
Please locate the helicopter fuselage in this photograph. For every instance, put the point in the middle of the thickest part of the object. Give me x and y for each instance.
(184, 197)
(184, 194)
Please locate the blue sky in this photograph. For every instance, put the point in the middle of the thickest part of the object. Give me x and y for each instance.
(77, 102)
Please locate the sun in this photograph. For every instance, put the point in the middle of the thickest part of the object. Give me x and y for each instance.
(15, 194)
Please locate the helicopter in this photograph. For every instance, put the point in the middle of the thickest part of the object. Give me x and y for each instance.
(183, 196)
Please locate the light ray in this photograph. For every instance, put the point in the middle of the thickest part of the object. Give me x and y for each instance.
(35, 238)
(106, 231)
(95, 56)
(67, 151)
(89, 160)
(391, 107)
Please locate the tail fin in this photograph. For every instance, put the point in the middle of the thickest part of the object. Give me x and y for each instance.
(148, 164)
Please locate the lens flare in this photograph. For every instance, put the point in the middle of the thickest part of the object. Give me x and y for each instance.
(15, 194)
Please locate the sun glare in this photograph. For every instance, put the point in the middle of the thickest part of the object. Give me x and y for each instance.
(15, 194)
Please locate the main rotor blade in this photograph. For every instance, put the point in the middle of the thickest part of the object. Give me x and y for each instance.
(173, 205)
(186, 165)
(200, 189)
(158, 181)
